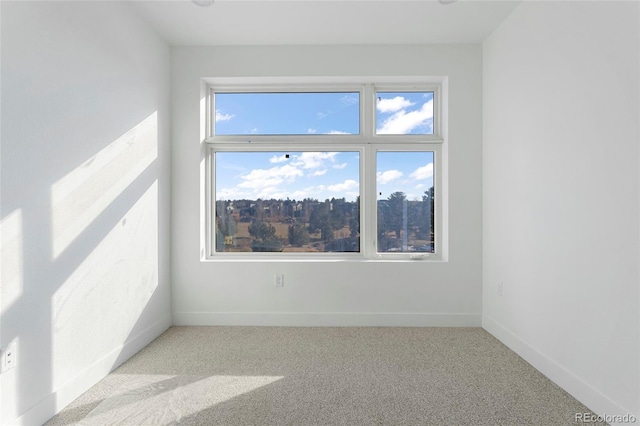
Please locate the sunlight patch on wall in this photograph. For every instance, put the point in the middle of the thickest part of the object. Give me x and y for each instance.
(164, 400)
(109, 290)
(84, 193)
(11, 259)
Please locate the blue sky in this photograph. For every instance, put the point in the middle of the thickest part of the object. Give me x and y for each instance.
(321, 175)
(408, 172)
(320, 113)
(287, 113)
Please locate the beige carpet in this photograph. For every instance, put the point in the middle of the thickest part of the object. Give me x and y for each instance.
(323, 376)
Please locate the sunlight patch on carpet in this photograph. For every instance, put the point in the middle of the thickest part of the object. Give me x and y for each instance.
(163, 400)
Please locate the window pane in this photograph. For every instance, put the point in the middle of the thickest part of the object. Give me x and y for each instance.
(405, 199)
(404, 113)
(287, 113)
(287, 201)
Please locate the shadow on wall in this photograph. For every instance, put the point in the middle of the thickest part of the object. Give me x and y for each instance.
(80, 262)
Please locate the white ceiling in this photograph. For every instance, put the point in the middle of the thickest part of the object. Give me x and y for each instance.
(278, 22)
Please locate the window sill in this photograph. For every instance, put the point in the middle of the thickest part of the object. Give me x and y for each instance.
(320, 259)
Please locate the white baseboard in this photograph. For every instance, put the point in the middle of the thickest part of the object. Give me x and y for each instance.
(599, 403)
(326, 319)
(53, 403)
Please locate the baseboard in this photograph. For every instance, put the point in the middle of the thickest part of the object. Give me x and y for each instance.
(326, 319)
(53, 403)
(599, 403)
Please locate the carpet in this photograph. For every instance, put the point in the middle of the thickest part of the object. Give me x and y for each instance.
(323, 376)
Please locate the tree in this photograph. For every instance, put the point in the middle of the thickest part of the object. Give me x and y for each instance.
(319, 221)
(395, 208)
(390, 219)
(298, 235)
(337, 213)
(429, 207)
(264, 237)
(225, 224)
(262, 231)
(354, 220)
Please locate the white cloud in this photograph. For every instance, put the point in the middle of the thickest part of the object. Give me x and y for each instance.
(263, 178)
(349, 100)
(424, 172)
(311, 131)
(223, 117)
(254, 130)
(420, 186)
(313, 160)
(388, 176)
(393, 104)
(271, 193)
(310, 192)
(337, 132)
(403, 122)
(321, 115)
(231, 194)
(344, 186)
(276, 159)
(256, 183)
(280, 180)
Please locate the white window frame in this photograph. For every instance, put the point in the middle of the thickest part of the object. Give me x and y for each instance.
(367, 143)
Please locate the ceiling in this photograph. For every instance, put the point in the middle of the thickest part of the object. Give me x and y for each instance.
(313, 22)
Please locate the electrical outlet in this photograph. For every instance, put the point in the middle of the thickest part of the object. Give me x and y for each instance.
(500, 288)
(9, 357)
(279, 280)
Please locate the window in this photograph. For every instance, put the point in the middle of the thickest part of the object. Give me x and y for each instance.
(405, 201)
(322, 171)
(282, 201)
(287, 113)
(401, 113)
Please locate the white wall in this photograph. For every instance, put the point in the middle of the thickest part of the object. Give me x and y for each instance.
(561, 195)
(85, 197)
(329, 293)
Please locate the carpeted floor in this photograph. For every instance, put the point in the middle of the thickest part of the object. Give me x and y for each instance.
(323, 376)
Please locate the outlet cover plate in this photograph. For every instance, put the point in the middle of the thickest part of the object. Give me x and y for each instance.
(9, 358)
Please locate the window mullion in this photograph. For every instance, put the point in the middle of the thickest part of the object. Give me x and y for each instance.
(368, 203)
(368, 112)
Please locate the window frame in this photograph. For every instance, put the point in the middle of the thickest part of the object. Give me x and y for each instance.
(373, 207)
(368, 143)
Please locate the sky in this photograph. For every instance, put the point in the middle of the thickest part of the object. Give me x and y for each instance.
(320, 113)
(319, 175)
